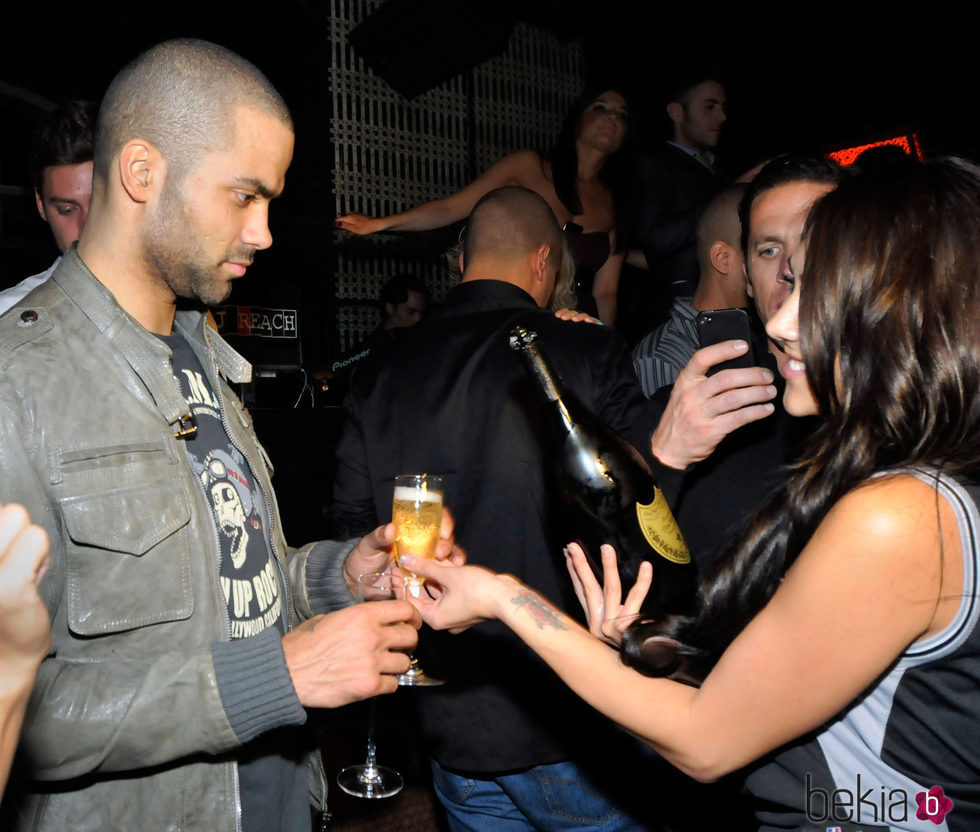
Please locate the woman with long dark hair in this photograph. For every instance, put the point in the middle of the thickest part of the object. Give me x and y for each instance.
(588, 179)
(836, 648)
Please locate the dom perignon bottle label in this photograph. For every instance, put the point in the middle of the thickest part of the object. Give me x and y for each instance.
(660, 529)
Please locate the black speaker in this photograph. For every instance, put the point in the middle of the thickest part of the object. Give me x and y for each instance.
(415, 45)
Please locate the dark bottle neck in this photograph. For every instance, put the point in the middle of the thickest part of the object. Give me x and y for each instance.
(549, 382)
(551, 386)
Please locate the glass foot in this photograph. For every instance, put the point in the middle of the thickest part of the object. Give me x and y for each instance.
(416, 677)
(371, 782)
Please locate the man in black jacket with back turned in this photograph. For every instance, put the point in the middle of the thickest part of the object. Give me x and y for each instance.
(451, 397)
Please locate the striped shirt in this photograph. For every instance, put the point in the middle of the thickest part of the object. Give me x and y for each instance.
(661, 355)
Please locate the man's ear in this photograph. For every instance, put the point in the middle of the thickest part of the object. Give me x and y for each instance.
(720, 256)
(142, 169)
(40, 205)
(675, 112)
(541, 261)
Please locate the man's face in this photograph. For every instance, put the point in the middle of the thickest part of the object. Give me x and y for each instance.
(408, 313)
(776, 222)
(783, 329)
(206, 229)
(775, 225)
(701, 116)
(64, 199)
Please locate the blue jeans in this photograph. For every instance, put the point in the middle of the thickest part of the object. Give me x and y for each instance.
(545, 798)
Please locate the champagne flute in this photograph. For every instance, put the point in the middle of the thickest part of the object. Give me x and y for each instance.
(416, 512)
(369, 780)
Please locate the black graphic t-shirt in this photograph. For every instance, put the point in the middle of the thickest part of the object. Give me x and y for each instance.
(274, 798)
(249, 575)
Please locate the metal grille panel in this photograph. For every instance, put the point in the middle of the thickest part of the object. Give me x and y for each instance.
(391, 154)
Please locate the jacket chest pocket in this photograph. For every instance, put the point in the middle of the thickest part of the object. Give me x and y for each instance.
(128, 559)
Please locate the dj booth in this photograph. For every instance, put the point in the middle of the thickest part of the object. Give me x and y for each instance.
(263, 323)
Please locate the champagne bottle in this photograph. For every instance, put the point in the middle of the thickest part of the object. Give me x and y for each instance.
(611, 490)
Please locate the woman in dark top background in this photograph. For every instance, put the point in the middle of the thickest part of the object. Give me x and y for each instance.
(588, 180)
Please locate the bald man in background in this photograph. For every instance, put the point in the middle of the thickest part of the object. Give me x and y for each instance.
(510, 748)
(661, 355)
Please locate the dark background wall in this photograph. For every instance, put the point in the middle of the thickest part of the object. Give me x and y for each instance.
(798, 75)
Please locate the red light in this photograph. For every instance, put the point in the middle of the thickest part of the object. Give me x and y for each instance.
(848, 155)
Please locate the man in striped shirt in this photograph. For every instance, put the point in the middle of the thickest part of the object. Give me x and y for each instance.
(661, 355)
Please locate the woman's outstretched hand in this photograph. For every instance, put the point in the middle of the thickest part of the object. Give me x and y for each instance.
(461, 595)
(376, 550)
(357, 224)
(607, 614)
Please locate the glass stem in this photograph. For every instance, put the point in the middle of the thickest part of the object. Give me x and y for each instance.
(370, 762)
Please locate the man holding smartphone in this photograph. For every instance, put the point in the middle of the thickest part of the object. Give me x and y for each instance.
(723, 438)
(734, 416)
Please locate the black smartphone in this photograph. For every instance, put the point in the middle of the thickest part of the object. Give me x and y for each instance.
(717, 325)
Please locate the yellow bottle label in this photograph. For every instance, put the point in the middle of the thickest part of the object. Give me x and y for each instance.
(661, 530)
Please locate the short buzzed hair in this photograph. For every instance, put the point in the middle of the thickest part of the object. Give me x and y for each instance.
(511, 222)
(719, 221)
(181, 96)
(682, 85)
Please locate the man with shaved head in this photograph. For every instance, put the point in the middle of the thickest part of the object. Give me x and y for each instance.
(662, 354)
(509, 223)
(510, 749)
(196, 89)
(185, 645)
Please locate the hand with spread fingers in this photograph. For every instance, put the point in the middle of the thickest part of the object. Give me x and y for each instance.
(607, 614)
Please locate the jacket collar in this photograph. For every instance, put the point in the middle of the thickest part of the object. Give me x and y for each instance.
(147, 355)
(485, 295)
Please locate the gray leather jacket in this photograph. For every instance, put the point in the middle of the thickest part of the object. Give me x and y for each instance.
(126, 720)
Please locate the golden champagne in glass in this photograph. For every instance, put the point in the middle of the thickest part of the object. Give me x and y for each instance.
(416, 511)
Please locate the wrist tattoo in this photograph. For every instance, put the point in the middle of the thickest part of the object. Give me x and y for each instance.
(541, 612)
